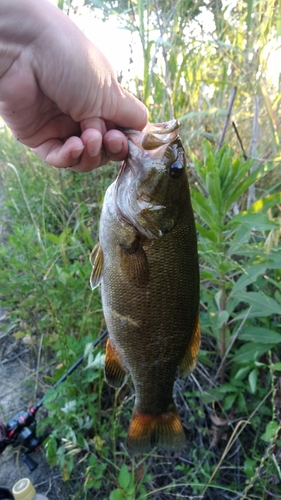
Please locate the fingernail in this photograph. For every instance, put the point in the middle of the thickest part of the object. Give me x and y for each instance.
(93, 147)
(77, 152)
(114, 146)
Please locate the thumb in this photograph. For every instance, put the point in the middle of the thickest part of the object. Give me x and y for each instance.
(125, 110)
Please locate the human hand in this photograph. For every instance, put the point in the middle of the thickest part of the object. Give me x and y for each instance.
(58, 93)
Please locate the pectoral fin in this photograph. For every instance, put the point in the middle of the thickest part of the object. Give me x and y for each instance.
(96, 259)
(114, 371)
(189, 360)
(134, 263)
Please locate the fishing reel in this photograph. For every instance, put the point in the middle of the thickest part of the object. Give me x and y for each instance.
(21, 431)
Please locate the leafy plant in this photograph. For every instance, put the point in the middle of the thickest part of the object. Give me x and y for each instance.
(193, 55)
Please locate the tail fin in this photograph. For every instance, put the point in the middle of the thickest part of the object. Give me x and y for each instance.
(147, 431)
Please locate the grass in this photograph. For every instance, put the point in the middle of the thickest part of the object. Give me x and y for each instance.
(231, 405)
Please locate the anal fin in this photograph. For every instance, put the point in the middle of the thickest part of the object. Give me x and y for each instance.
(147, 431)
(189, 360)
(114, 371)
(96, 259)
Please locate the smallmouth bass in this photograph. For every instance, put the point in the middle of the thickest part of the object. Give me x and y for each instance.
(147, 262)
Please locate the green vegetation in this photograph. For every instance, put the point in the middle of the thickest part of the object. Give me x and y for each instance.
(231, 405)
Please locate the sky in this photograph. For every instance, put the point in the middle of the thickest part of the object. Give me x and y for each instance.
(117, 44)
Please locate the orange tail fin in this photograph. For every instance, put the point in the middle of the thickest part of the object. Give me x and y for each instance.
(147, 431)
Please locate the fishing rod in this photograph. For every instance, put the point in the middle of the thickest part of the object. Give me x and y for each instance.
(21, 429)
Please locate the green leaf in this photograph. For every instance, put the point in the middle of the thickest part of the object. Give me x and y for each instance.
(249, 467)
(250, 276)
(262, 304)
(225, 163)
(250, 352)
(212, 395)
(229, 400)
(264, 204)
(270, 431)
(236, 173)
(50, 396)
(249, 14)
(278, 21)
(260, 335)
(214, 189)
(117, 494)
(244, 185)
(241, 373)
(51, 448)
(222, 318)
(124, 477)
(253, 376)
(253, 221)
(53, 238)
(207, 233)
(201, 206)
(277, 366)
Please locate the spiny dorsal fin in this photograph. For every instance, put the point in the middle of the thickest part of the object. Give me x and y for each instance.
(96, 259)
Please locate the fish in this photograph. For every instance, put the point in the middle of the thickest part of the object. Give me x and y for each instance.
(147, 263)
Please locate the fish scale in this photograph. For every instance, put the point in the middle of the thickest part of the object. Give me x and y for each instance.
(147, 263)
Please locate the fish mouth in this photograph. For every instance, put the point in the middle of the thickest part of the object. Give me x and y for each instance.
(146, 148)
(153, 136)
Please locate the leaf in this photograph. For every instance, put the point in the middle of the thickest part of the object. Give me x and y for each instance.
(250, 276)
(250, 352)
(201, 206)
(244, 185)
(249, 14)
(241, 236)
(212, 395)
(270, 431)
(264, 204)
(229, 400)
(53, 238)
(117, 495)
(253, 221)
(214, 189)
(262, 304)
(70, 406)
(277, 366)
(278, 21)
(241, 373)
(19, 335)
(222, 318)
(97, 362)
(253, 376)
(51, 448)
(261, 335)
(124, 477)
(50, 396)
(207, 233)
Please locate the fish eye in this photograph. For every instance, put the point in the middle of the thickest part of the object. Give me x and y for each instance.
(176, 169)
